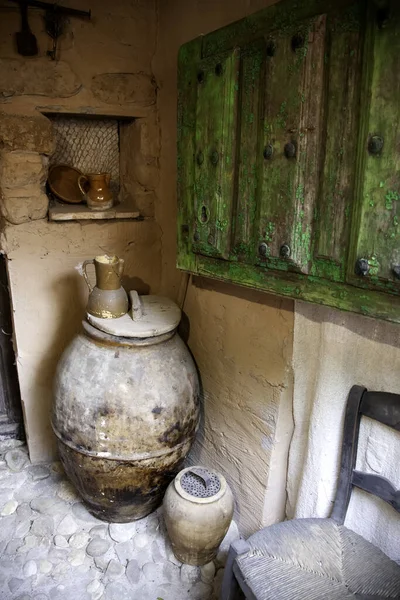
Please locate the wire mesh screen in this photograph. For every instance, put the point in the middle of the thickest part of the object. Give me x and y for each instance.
(90, 145)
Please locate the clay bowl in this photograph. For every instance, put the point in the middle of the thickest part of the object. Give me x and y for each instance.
(63, 182)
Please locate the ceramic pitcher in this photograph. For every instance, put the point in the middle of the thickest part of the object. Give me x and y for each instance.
(95, 188)
(107, 299)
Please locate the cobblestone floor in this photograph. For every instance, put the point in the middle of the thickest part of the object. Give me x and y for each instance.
(52, 548)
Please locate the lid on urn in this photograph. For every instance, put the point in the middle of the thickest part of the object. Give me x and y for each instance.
(149, 316)
(200, 485)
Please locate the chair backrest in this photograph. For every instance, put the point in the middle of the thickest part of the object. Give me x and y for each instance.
(383, 407)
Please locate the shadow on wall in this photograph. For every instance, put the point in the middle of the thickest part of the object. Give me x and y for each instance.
(135, 283)
(242, 342)
(243, 293)
(375, 330)
(200, 439)
(66, 292)
(184, 332)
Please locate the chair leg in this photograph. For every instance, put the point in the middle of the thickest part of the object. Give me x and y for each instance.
(230, 587)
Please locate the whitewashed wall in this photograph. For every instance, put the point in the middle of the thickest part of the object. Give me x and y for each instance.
(332, 351)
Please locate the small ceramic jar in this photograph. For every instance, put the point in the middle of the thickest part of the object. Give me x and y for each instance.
(198, 509)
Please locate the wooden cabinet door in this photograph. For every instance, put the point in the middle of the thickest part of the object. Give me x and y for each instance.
(289, 153)
(292, 135)
(344, 41)
(297, 144)
(279, 146)
(374, 260)
(215, 153)
(270, 163)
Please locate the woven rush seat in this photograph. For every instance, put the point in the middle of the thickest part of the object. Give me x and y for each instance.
(316, 559)
(320, 559)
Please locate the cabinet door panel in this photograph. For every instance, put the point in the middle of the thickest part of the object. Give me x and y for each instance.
(376, 233)
(249, 150)
(215, 160)
(343, 56)
(293, 106)
(189, 56)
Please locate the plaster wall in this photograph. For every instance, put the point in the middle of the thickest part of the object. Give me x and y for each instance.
(332, 351)
(49, 298)
(101, 63)
(241, 340)
(104, 68)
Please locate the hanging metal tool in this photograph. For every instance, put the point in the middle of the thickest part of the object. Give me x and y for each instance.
(54, 18)
(26, 41)
(54, 23)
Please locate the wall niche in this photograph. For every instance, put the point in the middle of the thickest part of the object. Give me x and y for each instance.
(100, 144)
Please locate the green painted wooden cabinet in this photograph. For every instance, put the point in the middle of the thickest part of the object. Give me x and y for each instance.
(289, 153)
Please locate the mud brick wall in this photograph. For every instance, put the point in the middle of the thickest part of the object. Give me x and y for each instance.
(103, 68)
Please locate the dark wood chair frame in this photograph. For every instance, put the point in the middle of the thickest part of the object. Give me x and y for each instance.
(381, 406)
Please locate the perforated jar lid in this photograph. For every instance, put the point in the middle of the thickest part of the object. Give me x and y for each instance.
(200, 485)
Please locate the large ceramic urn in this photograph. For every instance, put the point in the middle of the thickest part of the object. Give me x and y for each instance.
(126, 409)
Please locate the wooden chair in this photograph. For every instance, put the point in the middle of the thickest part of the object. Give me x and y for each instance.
(320, 559)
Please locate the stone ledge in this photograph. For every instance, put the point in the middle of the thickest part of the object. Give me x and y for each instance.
(80, 212)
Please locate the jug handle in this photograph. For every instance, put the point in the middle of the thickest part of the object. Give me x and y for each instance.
(85, 275)
(136, 305)
(81, 179)
(121, 267)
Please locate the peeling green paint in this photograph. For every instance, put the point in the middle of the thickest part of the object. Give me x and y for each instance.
(253, 199)
(282, 116)
(301, 54)
(221, 225)
(269, 231)
(374, 265)
(390, 197)
(300, 193)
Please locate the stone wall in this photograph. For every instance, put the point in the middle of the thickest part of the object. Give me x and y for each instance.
(241, 339)
(26, 145)
(103, 67)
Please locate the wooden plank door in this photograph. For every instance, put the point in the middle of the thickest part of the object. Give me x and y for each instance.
(299, 118)
(279, 148)
(374, 260)
(342, 83)
(292, 127)
(215, 153)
